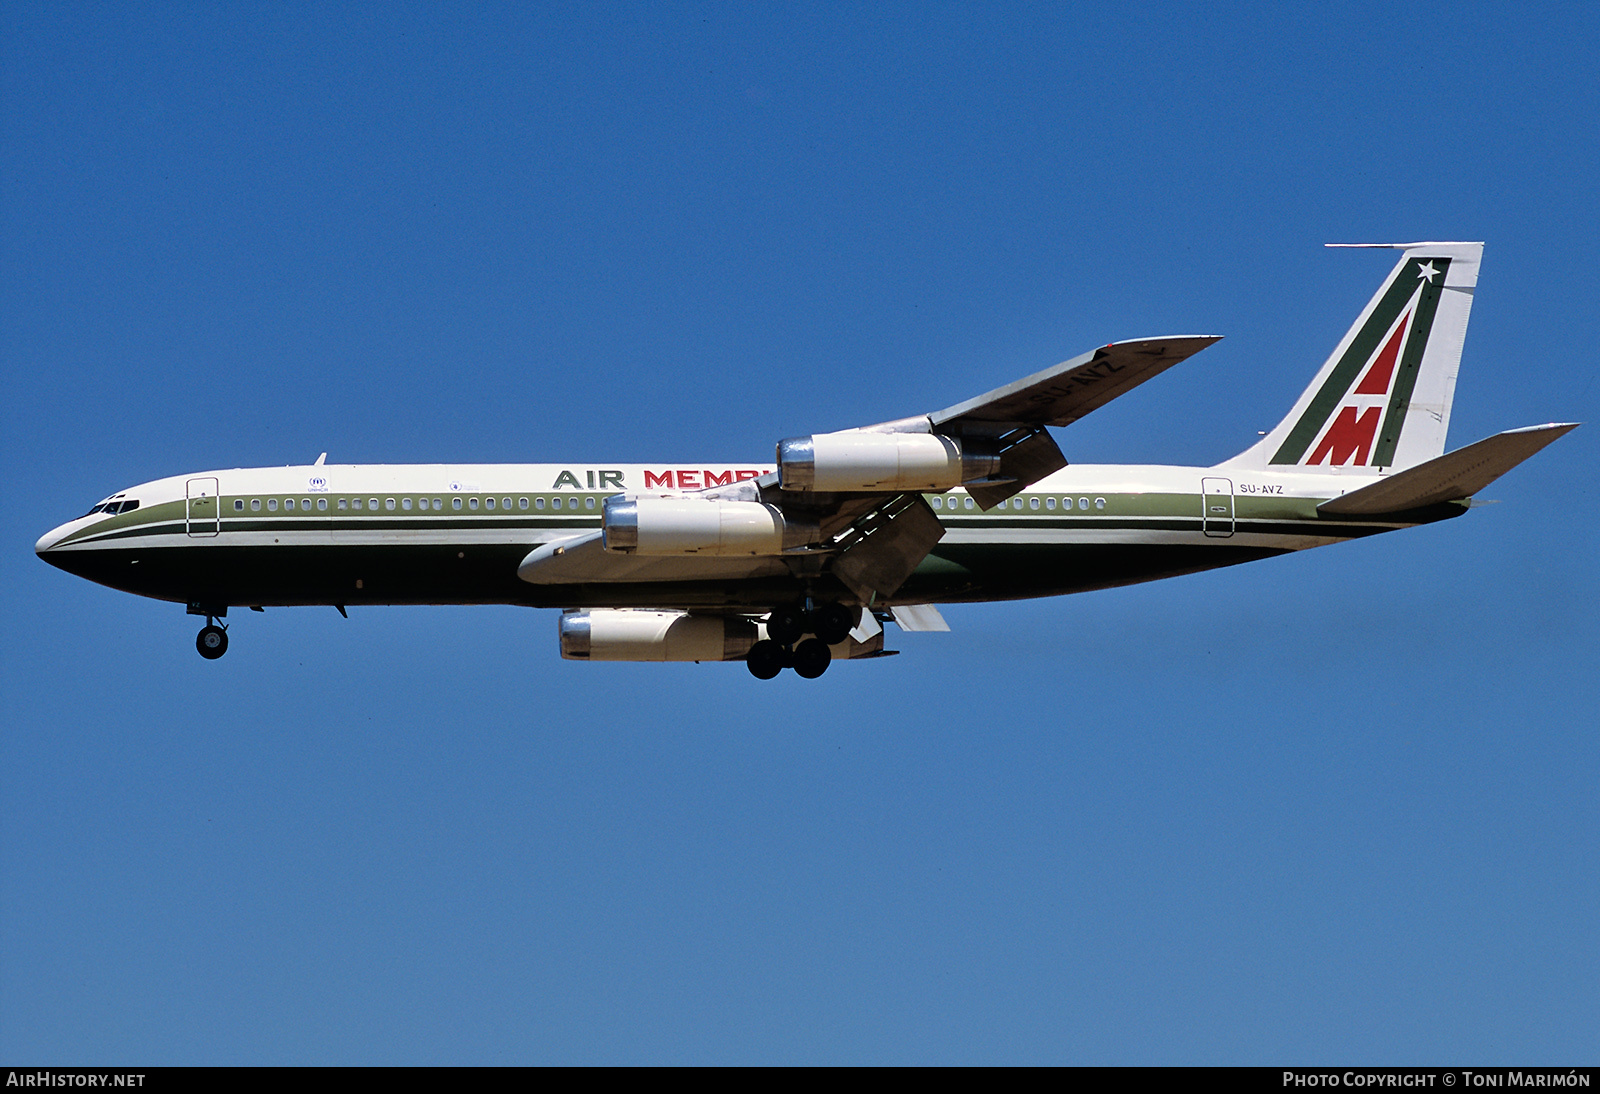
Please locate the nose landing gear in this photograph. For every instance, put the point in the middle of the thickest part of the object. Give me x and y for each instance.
(212, 641)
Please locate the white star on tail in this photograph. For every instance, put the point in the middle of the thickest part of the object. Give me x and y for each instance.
(1427, 272)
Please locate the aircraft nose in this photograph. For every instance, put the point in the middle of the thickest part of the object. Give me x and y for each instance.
(49, 540)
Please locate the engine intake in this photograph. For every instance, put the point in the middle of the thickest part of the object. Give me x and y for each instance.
(854, 460)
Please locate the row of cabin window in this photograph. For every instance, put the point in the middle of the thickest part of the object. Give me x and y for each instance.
(1016, 503)
(407, 504)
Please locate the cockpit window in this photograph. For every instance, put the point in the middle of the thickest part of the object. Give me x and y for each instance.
(112, 508)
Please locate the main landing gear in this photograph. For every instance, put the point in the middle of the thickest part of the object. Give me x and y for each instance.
(787, 647)
(809, 659)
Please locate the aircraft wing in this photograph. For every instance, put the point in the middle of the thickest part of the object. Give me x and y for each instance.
(1062, 394)
(1015, 416)
(849, 505)
(881, 528)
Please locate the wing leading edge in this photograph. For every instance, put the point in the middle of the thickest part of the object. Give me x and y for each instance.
(1062, 394)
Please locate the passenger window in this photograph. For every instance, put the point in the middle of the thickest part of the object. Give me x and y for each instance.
(405, 503)
(305, 504)
(322, 504)
(238, 505)
(1099, 503)
(272, 505)
(938, 503)
(505, 503)
(455, 503)
(488, 503)
(355, 503)
(437, 505)
(372, 503)
(343, 504)
(538, 503)
(1033, 503)
(522, 503)
(388, 503)
(572, 503)
(472, 503)
(1083, 503)
(970, 504)
(1016, 503)
(255, 505)
(1049, 503)
(588, 503)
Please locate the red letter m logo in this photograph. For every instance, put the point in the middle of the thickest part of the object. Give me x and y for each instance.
(1348, 434)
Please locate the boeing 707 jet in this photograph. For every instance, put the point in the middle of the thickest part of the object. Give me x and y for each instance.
(797, 562)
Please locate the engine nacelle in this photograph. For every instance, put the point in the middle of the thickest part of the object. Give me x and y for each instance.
(607, 634)
(855, 460)
(700, 526)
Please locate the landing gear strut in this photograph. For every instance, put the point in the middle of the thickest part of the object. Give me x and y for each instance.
(212, 641)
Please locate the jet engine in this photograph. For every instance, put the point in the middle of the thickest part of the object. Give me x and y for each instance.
(636, 634)
(608, 634)
(700, 526)
(856, 460)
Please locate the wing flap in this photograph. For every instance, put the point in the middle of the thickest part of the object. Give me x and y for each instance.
(919, 617)
(1021, 465)
(887, 546)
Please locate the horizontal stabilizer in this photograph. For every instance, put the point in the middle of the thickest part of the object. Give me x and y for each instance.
(1451, 477)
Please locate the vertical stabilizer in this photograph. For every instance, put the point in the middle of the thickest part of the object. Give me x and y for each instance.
(1382, 400)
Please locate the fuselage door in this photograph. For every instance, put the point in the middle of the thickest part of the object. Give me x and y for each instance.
(1216, 496)
(203, 517)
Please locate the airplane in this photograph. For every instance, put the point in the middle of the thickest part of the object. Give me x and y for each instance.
(798, 562)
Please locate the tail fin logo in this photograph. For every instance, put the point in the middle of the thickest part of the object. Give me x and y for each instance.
(1347, 442)
(1355, 419)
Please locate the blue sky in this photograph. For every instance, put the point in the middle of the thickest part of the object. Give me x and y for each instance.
(1333, 807)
